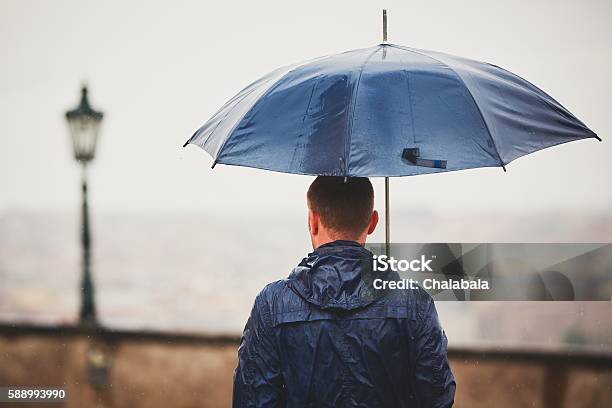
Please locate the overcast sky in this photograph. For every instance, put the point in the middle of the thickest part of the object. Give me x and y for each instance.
(158, 70)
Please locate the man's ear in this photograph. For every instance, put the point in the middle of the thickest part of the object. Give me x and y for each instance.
(373, 222)
(313, 222)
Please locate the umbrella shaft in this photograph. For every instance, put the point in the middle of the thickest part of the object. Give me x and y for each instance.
(387, 220)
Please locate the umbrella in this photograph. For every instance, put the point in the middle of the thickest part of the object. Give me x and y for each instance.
(386, 111)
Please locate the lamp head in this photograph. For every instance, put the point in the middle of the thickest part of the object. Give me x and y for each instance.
(84, 123)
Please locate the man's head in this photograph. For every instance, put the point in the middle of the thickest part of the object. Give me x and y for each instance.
(340, 208)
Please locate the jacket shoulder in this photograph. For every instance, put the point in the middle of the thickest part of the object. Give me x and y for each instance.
(284, 305)
(272, 290)
(279, 297)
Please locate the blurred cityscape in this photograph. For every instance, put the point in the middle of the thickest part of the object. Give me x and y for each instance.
(200, 274)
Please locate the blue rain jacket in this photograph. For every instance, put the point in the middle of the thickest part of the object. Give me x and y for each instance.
(324, 337)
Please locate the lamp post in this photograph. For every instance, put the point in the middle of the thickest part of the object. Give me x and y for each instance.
(84, 124)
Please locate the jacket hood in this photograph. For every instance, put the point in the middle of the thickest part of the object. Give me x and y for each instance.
(337, 275)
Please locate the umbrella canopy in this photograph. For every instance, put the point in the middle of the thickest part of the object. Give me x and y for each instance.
(386, 111)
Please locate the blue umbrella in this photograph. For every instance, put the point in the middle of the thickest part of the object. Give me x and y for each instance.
(386, 111)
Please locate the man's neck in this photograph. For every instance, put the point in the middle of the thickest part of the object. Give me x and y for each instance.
(359, 240)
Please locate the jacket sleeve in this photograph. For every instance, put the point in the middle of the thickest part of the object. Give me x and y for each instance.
(435, 383)
(257, 379)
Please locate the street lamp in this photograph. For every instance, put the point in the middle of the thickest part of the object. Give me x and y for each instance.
(84, 123)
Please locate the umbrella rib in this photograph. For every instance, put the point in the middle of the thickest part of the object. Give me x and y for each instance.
(349, 130)
(230, 110)
(273, 86)
(236, 99)
(229, 135)
(406, 72)
(501, 161)
(301, 133)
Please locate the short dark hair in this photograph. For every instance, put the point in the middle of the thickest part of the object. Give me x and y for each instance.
(344, 204)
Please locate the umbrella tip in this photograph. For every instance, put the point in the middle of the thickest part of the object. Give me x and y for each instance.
(384, 16)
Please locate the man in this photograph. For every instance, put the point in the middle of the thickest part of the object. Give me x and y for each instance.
(324, 337)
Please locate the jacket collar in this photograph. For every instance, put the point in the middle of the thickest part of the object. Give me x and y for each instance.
(336, 275)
